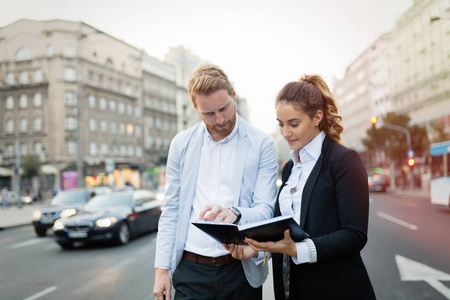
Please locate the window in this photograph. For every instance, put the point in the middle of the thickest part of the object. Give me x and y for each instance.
(69, 74)
(103, 126)
(149, 122)
(10, 79)
(23, 78)
(123, 150)
(71, 148)
(115, 150)
(137, 112)
(112, 105)
(37, 100)
(94, 57)
(9, 103)
(9, 151)
(93, 148)
(109, 63)
(121, 108)
(122, 128)
(130, 150)
(37, 148)
(23, 149)
(129, 109)
(150, 142)
(138, 131)
(113, 128)
(71, 123)
(138, 151)
(70, 100)
(49, 51)
(92, 125)
(37, 76)
(9, 127)
(37, 124)
(23, 54)
(23, 101)
(104, 149)
(103, 104)
(69, 51)
(158, 143)
(91, 101)
(23, 125)
(158, 123)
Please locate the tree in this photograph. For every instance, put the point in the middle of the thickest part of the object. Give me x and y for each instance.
(439, 130)
(393, 142)
(31, 166)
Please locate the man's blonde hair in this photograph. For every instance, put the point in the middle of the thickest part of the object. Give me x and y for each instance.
(208, 79)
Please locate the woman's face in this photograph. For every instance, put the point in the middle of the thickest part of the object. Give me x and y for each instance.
(296, 126)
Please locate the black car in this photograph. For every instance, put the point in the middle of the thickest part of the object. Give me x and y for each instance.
(110, 218)
(64, 204)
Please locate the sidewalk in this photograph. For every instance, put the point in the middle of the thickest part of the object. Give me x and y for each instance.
(14, 216)
(408, 192)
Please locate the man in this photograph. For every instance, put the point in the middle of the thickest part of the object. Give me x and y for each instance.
(220, 170)
(4, 197)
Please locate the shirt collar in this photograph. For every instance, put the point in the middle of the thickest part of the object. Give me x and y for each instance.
(313, 148)
(227, 138)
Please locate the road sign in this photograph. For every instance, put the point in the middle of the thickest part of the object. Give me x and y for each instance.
(410, 153)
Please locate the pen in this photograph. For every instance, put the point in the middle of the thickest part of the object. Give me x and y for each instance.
(264, 260)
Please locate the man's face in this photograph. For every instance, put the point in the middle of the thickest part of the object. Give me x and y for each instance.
(218, 111)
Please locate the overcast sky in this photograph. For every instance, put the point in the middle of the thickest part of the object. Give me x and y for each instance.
(260, 44)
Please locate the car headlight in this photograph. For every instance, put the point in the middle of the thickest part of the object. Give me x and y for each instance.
(67, 213)
(59, 225)
(106, 222)
(36, 215)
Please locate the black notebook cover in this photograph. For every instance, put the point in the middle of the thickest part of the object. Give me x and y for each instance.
(263, 231)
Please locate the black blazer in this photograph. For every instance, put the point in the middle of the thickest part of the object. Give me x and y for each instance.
(335, 212)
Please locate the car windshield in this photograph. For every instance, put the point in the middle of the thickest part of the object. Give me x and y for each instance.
(70, 197)
(109, 201)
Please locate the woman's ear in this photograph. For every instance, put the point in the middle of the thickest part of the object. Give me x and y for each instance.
(318, 117)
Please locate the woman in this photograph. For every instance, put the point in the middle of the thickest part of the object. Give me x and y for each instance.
(325, 190)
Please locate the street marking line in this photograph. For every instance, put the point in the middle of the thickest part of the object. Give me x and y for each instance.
(42, 293)
(7, 240)
(27, 243)
(397, 221)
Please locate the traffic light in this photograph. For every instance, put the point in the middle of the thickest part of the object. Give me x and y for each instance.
(411, 162)
(373, 120)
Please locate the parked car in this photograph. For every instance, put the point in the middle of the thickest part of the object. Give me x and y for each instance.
(13, 199)
(378, 183)
(110, 218)
(64, 204)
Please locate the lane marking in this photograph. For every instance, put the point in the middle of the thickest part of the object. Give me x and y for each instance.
(7, 240)
(397, 221)
(42, 293)
(28, 243)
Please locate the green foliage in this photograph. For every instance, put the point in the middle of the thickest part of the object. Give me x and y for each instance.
(31, 166)
(393, 142)
(440, 132)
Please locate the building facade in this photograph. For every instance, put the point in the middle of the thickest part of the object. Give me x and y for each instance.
(404, 71)
(70, 94)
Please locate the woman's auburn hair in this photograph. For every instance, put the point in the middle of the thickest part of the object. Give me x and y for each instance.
(311, 94)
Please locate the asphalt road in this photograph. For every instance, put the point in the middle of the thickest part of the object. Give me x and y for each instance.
(404, 232)
(408, 252)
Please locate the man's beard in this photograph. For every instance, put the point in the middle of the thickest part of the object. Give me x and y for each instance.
(225, 129)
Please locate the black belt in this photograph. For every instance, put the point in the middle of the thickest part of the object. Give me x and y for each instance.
(215, 261)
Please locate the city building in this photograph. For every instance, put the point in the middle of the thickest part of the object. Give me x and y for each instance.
(404, 71)
(84, 102)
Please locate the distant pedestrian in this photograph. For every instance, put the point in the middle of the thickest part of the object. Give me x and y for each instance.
(4, 196)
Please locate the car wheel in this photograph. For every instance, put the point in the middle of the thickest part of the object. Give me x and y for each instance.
(41, 232)
(123, 234)
(66, 245)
